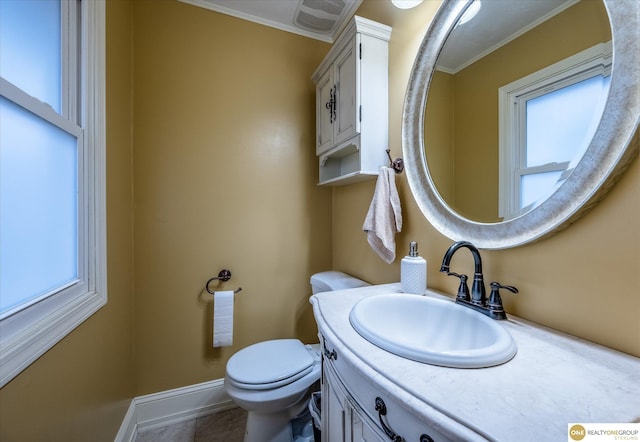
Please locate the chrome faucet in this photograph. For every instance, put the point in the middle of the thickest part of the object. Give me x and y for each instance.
(478, 299)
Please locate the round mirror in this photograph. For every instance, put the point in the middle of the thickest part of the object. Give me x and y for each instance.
(501, 148)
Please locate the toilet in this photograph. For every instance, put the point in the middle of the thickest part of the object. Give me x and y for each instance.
(272, 379)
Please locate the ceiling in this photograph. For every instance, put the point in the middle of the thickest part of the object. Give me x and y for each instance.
(484, 34)
(324, 19)
(319, 19)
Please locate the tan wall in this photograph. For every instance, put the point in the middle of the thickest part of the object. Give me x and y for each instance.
(225, 177)
(579, 281)
(81, 388)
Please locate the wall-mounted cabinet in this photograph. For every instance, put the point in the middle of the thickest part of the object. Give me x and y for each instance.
(352, 116)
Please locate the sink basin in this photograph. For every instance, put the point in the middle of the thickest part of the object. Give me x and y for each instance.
(432, 331)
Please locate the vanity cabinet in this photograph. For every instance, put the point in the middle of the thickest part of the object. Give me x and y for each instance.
(352, 104)
(341, 418)
(554, 380)
(352, 413)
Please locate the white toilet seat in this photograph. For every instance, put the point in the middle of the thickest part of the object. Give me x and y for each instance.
(270, 385)
(270, 364)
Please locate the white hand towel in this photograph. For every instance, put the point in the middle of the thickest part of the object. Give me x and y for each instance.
(223, 318)
(384, 217)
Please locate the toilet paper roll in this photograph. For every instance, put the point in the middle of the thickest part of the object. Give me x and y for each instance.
(223, 318)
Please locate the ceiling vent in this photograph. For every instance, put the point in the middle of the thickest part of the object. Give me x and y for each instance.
(319, 15)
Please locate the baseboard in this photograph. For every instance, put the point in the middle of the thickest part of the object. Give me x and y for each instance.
(129, 427)
(172, 406)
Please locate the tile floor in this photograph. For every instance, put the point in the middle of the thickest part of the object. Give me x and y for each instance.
(226, 426)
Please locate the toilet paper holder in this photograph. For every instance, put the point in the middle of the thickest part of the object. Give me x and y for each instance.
(224, 275)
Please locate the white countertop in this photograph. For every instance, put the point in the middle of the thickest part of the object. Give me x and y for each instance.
(554, 379)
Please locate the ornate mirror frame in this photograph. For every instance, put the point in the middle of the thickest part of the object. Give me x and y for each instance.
(612, 149)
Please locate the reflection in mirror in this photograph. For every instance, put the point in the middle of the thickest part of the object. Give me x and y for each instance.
(583, 182)
(514, 103)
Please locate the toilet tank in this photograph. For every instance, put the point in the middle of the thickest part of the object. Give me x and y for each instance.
(332, 280)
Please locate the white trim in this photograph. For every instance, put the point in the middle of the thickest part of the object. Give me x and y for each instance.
(28, 334)
(129, 427)
(173, 406)
(93, 116)
(69, 49)
(37, 107)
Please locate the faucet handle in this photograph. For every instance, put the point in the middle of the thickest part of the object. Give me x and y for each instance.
(463, 288)
(497, 286)
(495, 301)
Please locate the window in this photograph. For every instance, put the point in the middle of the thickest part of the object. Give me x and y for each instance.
(547, 121)
(52, 177)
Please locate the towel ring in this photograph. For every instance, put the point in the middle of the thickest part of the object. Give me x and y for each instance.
(224, 275)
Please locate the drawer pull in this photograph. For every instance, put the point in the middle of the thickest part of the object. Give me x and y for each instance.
(329, 354)
(381, 408)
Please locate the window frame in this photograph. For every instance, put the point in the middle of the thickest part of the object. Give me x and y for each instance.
(27, 333)
(596, 60)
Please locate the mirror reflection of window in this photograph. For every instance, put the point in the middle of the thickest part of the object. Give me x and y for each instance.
(551, 117)
(559, 126)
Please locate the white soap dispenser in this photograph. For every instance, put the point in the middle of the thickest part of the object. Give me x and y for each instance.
(413, 272)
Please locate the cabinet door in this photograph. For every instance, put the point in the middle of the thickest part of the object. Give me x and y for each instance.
(346, 71)
(333, 408)
(362, 430)
(325, 112)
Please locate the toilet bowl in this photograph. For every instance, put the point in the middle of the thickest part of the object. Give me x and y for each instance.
(272, 380)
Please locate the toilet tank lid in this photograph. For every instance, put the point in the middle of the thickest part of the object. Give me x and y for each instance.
(333, 280)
